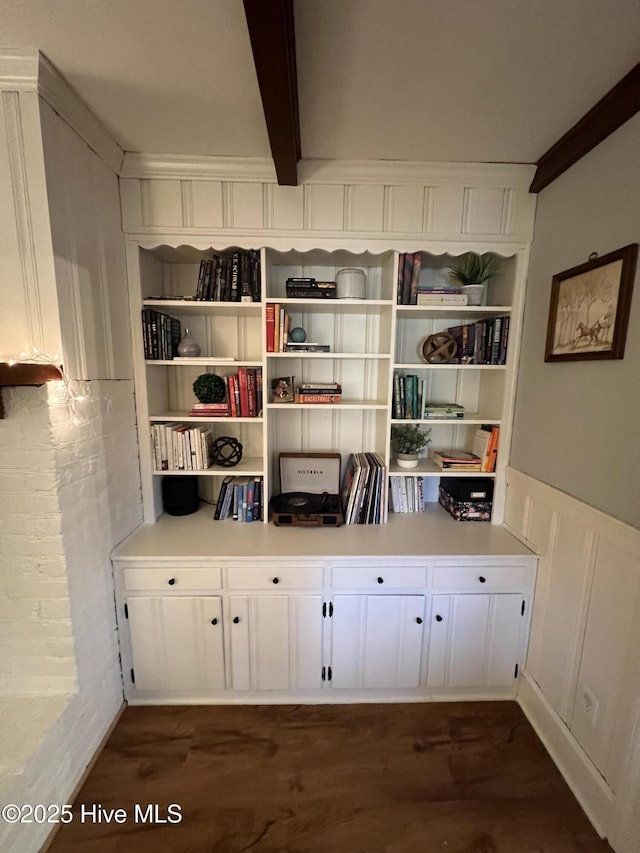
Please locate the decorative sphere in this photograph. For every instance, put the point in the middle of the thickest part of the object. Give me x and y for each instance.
(297, 335)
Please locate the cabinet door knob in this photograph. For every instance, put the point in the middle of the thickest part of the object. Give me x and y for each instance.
(438, 618)
(482, 579)
(276, 580)
(171, 581)
(419, 621)
(214, 621)
(236, 619)
(380, 580)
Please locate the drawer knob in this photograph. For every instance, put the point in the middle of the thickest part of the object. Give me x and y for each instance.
(214, 621)
(419, 621)
(380, 580)
(438, 618)
(236, 619)
(482, 579)
(171, 581)
(276, 580)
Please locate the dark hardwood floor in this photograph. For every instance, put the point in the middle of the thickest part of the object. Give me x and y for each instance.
(454, 777)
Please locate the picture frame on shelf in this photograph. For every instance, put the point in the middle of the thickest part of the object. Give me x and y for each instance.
(589, 308)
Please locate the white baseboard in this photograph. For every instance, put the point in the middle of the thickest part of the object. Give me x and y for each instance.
(587, 785)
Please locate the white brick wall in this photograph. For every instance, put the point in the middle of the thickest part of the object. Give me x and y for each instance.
(57, 610)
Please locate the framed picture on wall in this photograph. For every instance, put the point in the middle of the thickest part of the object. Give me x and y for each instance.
(589, 308)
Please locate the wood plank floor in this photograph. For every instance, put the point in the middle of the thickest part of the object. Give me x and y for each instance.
(454, 777)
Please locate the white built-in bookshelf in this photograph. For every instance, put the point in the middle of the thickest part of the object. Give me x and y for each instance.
(370, 339)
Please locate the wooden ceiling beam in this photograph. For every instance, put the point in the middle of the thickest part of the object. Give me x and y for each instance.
(25, 374)
(619, 105)
(272, 34)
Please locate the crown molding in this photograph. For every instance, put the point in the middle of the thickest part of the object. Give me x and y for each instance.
(261, 170)
(31, 71)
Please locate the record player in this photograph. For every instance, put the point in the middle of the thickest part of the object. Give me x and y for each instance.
(310, 496)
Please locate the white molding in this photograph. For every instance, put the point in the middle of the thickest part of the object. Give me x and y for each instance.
(30, 71)
(254, 169)
(588, 786)
(151, 237)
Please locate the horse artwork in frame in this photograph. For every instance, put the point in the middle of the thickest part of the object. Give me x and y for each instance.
(589, 308)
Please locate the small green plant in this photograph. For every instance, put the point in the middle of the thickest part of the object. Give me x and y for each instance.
(476, 269)
(409, 438)
(209, 388)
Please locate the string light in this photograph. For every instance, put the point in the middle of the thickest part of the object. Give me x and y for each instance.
(73, 391)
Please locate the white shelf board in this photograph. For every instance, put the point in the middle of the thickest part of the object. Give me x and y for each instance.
(332, 306)
(451, 312)
(250, 466)
(467, 420)
(176, 416)
(202, 362)
(427, 468)
(343, 404)
(365, 356)
(191, 307)
(417, 364)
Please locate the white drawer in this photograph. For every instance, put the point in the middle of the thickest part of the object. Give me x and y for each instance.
(172, 579)
(378, 577)
(481, 578)
(274, 577)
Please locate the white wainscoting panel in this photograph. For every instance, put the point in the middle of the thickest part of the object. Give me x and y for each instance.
(581, 686)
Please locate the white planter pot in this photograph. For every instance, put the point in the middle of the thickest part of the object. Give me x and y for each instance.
(407, 460)
(474, 292)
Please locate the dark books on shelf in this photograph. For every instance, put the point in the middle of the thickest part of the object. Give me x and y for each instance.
(409, 266)
(240, 498)
(233, 278)
(482, 342)
(161, 335)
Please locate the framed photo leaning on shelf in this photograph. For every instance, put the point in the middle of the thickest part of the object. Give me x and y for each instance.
(589, 308)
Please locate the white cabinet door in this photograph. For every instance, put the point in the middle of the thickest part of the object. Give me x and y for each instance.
(475, 640)
(276, 642)
(377, 640)
(176, 642)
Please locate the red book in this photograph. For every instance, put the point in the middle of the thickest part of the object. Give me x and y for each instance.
(231, 380)
(271, 326)
(244, 392)
(252, 391)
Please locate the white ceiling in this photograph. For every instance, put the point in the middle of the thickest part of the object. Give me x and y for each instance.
(470, 80)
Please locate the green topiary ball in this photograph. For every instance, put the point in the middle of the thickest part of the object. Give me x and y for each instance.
(209, 388)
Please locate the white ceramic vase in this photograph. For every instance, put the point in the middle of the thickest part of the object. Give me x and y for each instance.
(474, 292)
(407, 460)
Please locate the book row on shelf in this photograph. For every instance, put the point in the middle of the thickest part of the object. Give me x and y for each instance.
(235, 278)
(482, 458)
(406, 494)
(180, 447)
(482, 342)
(240, 498)
(365, 489)
(410, 400)
(243, 397)
(160, 334)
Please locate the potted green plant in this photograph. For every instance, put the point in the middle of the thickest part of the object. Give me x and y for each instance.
(407, 442)
(209, 388)
(473, 274)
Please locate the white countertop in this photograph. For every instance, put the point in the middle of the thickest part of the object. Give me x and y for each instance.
(430, 534)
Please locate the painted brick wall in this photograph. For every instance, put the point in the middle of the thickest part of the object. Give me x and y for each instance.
(84, 478)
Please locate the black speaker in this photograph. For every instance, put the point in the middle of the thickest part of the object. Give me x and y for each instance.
(180, 495)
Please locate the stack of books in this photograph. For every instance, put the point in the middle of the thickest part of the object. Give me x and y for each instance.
(409, 266)
(443, 411)
(407, 494)
(319, 392)
(160, 335)
(310, 288)
(441, 296)
(209, 410)
(456, 460)
(230, 279)
(410, 400)
(484, 342)
(307, 346)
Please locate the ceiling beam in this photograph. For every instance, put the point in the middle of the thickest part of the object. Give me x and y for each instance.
(272, 34)
(619, 105)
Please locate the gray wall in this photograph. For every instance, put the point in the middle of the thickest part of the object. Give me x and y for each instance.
(577, 424)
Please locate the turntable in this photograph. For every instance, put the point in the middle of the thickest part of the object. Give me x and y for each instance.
(310, 491)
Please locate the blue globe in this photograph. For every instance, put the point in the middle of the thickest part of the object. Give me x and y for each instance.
(297, 335)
